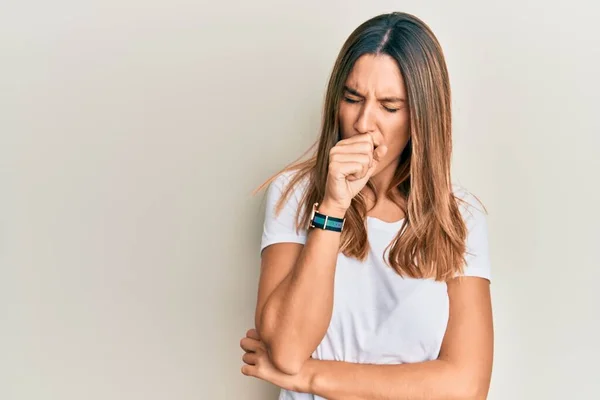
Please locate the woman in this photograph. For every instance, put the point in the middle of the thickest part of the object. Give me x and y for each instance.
(375, 269)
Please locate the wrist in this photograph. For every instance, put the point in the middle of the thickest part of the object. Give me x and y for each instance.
(307, 376)
(332, 210)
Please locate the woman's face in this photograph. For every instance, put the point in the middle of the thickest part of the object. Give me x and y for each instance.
(374, 101)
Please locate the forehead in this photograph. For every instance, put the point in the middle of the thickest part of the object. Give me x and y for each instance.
(376, 74)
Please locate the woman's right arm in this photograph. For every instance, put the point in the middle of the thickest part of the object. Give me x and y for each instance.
(295, 299)
(295, 295)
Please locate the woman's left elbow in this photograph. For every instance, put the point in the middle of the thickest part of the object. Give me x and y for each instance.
(474, 391)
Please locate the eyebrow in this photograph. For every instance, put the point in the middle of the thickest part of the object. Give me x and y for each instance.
(391, 99)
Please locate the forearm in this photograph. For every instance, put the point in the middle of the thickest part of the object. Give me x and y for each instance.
(296, 316)
(430, 380)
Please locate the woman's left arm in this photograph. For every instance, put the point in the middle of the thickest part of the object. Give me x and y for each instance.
(462, 371)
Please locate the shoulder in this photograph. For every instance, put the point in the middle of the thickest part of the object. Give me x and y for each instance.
(280, 195)
(287, 176)
(282, 211)
(474, 215)
(471, 208)
(281, 182)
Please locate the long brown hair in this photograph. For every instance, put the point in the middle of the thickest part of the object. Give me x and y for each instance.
(431, 241)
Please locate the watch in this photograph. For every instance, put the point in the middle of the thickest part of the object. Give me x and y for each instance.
(325, 222)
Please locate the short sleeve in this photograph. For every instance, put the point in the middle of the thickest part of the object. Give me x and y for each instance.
(282, 227)
(477, 255)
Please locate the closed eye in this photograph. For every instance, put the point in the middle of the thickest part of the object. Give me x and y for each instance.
(354, 101)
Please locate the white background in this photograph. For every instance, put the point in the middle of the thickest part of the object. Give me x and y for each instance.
(133, 132)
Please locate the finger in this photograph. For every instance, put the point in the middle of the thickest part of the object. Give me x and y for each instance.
(378, 139)
(354, 148)
(380, 152)
(348, 170)
(249, 370)
(253, 333)
(249, 344)
(360, 137)
(250, 358)
(370, 171)
(350, 157)
(358, 147)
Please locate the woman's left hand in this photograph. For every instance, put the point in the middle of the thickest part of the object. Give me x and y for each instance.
(260, 366)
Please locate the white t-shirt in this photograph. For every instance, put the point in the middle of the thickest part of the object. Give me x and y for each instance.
(379, 317)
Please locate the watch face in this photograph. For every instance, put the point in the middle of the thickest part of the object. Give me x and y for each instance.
(312, 216)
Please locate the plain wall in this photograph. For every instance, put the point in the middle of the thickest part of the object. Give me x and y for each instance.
(133, 132)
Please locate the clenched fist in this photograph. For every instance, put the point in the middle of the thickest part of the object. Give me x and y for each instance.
(352, 162)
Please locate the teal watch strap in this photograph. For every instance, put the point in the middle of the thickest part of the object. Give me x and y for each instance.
(325, 222)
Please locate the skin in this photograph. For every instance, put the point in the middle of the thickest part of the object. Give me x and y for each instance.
(375, 130)
(374, 109)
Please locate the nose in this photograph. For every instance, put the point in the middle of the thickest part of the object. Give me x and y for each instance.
(365, 122)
